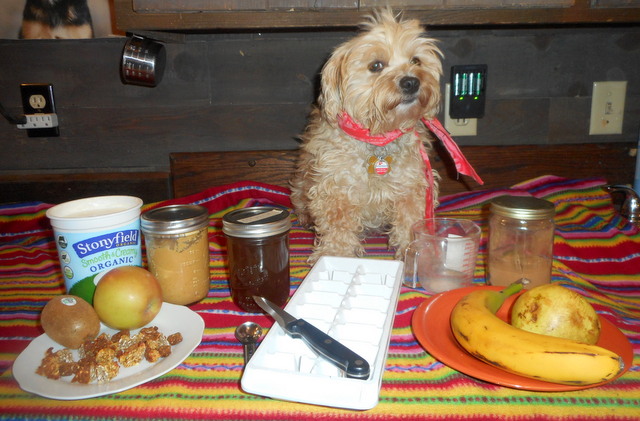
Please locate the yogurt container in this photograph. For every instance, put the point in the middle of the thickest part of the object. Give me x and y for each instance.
(93, 236)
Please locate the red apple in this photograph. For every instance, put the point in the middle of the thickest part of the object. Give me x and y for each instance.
(127, 297)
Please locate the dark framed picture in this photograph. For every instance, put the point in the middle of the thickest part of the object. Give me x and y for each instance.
(55, 19)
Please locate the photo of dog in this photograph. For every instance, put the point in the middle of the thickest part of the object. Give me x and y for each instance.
(362, 165)
(56, 19)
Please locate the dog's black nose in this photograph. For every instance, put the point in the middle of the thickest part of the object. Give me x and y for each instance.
(409, 84)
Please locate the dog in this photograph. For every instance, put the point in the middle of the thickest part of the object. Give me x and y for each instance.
(64, 19)
(362, 166)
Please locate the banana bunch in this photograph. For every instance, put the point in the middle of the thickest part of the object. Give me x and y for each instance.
(478, 330)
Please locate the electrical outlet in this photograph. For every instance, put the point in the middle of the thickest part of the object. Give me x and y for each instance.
(458, 126)
(39, 109)
(37, 102)
(607, 107)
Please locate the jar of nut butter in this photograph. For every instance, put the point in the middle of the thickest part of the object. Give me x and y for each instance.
(178, 251)
(521, 232)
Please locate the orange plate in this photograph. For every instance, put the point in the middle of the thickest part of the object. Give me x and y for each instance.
(431, 326)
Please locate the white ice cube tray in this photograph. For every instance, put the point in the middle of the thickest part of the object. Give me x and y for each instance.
(352, 300)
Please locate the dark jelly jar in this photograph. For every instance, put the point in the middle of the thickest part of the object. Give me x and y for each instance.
(258, 255)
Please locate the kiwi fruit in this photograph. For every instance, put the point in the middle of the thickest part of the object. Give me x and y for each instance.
(70, 321)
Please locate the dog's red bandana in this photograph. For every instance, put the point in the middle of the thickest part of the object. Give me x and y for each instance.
(356, 131)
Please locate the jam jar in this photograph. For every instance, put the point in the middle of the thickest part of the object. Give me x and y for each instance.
(258, 255)
(521, 230)
(178, 251)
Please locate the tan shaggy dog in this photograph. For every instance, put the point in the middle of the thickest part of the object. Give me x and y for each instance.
(361, 168)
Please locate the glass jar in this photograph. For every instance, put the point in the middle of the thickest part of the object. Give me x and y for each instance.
(258, 255)
(521, 230)
(178, 251)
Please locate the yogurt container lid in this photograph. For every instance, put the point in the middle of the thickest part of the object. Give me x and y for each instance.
(94, 213)
(255, 222)
(174, 219)
(523, 207)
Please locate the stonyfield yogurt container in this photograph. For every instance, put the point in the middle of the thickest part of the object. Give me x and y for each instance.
(94, 235)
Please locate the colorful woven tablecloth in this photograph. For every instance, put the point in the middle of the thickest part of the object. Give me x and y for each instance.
(597, 253)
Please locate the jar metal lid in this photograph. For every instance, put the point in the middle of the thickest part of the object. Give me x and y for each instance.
(523, 207)
(256, 222)
(174, 219)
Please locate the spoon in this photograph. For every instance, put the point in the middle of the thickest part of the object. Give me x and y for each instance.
(248, 334)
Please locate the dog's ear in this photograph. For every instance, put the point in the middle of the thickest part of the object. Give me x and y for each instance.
(431, 58)
(330, 99)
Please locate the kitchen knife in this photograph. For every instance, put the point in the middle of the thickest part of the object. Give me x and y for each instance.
(353, 364)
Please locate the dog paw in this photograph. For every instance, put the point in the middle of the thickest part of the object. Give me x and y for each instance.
(313, 258)
(324, 249)
(399, 255)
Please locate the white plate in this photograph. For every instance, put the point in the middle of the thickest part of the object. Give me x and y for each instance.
(171, 319)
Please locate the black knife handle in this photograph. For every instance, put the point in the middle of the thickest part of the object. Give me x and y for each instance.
(353, 364)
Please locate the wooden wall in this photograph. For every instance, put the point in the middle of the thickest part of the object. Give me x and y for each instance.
(243, 91)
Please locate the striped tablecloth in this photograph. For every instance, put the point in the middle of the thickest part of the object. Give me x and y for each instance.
(596, 252)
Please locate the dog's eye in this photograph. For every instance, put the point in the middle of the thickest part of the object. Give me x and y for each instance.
(376, 66)
(415, 60)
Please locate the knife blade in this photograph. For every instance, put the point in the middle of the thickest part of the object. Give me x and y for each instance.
(339, 355)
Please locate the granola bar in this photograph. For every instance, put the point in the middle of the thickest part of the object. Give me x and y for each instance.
(100, 359)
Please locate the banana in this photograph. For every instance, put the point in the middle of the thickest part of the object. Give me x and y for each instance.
(479, 331)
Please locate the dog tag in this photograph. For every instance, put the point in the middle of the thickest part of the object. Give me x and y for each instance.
(378, 165)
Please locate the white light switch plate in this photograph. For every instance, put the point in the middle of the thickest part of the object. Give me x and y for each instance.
(607, 107)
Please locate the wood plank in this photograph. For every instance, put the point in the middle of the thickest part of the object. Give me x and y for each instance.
(499, 166)
(476, 4)
(127, 19)
(192, 172)
(234, 5)
(58, 188)
(503, 166)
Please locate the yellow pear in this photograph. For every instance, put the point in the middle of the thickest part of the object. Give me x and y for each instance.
(554, 310)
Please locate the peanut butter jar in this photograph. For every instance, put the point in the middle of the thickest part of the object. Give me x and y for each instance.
(521, 232)
(178, 251)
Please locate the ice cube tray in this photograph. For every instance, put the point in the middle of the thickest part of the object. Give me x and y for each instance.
(352, 300)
